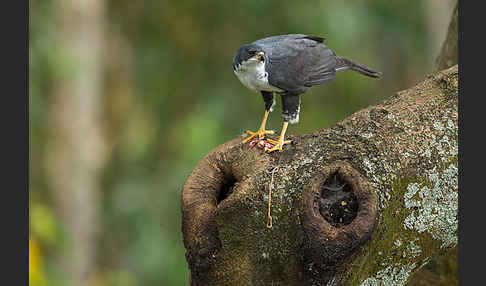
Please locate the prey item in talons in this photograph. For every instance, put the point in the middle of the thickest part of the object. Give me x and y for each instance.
(261, 143)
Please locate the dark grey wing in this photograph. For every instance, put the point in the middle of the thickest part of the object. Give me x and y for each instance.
(296, 62)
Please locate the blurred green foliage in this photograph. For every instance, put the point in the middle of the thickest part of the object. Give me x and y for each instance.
(170, 96)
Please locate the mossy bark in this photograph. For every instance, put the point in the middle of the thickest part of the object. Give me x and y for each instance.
(398, 158)
(443, 269)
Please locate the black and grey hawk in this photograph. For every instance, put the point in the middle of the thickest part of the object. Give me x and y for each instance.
(288, 65)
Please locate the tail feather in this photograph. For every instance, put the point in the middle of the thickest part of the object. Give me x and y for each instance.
(343, 64)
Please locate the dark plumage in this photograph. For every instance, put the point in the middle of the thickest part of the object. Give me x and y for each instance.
(289, 65)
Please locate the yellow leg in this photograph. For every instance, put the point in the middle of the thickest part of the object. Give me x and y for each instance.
(279, 144)
(261, 132)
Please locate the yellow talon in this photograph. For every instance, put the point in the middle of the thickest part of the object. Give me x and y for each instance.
(261, 132)
(274, 148)
(279, 144)
(276, 142)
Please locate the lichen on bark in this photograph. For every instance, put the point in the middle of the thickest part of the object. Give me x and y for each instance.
(420, 216)
(399, 156)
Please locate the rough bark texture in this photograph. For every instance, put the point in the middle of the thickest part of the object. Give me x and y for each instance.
(397, 161)
(449, 53)
(443, 269)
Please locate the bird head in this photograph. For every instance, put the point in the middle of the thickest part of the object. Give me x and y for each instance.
(248, 54)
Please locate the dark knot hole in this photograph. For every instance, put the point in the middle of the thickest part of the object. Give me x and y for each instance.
(338, 204)
(229, 182)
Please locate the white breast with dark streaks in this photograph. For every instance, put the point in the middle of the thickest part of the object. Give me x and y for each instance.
(252, 74)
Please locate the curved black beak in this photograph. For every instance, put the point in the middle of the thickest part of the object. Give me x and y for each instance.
(260, 57)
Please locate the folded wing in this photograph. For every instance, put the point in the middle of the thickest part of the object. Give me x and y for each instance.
(296, 62)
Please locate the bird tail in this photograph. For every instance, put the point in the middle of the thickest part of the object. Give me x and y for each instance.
(343, 64)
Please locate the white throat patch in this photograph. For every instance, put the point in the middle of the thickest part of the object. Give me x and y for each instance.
(252, 74)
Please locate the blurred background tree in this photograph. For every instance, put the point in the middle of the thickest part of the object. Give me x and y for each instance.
(127, 96)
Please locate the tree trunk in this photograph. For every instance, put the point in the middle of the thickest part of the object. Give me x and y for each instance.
(443, 269)
(76, 148)
(449, 53)
(368, 201)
